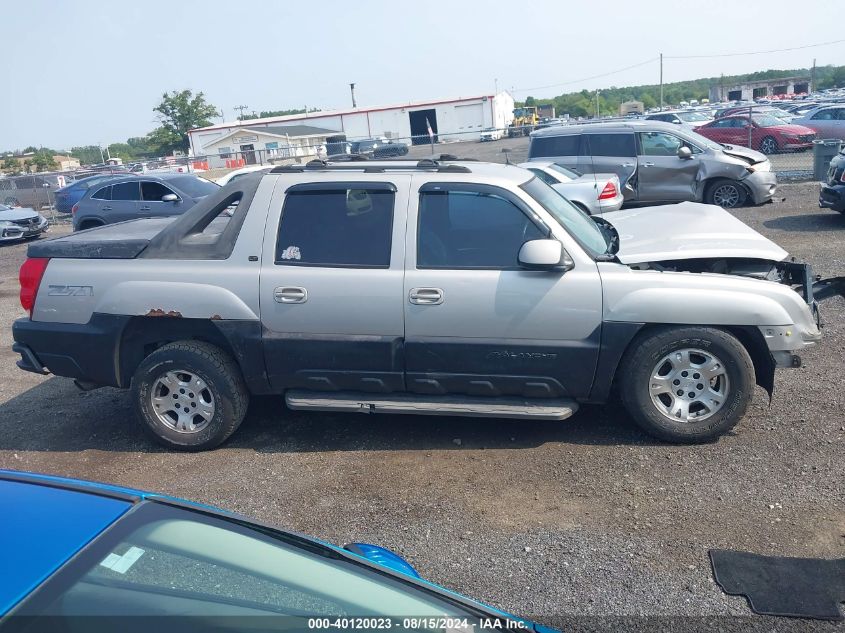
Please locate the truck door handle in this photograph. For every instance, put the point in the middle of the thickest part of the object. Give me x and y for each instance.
(426, 296)
(105, 209)
(648, 164)
(290, 294)
(145, 208)
(627, 165)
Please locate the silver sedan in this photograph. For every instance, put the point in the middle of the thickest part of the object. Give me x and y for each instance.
(593, 193)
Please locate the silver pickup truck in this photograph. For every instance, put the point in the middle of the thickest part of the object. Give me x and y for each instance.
(436, 287)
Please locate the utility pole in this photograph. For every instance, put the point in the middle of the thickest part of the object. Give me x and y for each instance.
(102, 158)
(661, 81)
(597, 103)
(813, 77)
(240, 109)
(352, 90)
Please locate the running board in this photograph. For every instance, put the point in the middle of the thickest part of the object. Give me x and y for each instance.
(354, 402)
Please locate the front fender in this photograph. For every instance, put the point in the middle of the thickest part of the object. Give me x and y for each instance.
(693, 306)
(173, 299)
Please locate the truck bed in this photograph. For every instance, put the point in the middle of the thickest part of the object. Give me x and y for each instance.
(124, 240)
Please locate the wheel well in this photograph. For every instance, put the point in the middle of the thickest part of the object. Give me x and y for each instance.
(144, 335)
(90, 224)
(750, 338)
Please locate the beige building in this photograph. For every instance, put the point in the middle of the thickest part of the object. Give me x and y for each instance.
(66, 163)
(631, 107)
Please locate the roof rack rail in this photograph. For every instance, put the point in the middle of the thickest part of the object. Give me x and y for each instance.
(425, 164)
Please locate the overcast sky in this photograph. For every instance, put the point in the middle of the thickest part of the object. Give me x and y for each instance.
(85, 72)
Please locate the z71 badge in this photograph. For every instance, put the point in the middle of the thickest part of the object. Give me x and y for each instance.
(71, 291)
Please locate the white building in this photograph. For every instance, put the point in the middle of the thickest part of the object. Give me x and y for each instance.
(247, 145)
(450, 120)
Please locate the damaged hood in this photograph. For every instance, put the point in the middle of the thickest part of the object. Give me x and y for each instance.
(689, 230)
(745, 154)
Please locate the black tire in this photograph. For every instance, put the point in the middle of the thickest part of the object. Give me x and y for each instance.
(223, 382)
(636, 380)
(728, 194)
(769, 145)
(89, 225)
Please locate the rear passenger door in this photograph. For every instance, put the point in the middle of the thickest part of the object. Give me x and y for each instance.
(125, 202)
(331, 285)
(615, 153)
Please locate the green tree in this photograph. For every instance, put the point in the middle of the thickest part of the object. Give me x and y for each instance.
(180, 111)
(87, 155)
(43, 160)
(10, 164)
(530, 101)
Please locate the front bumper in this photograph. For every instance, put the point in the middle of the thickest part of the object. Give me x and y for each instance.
(762, 185)
(10, 233)
(832, 197)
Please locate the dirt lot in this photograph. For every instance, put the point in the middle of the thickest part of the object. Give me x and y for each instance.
(587, 516)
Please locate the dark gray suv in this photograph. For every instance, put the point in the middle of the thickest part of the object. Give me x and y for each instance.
(132, 197)
(659, 162)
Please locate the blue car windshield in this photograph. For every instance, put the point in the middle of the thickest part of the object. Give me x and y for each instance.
(166, 560)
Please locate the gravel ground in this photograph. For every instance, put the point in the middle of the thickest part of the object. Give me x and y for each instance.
(583, 517)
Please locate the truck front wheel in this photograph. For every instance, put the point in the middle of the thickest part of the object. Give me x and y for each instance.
(687, 384)
(189, 395)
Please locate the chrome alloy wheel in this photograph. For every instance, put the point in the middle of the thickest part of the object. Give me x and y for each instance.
(182, 401)
(689, 385)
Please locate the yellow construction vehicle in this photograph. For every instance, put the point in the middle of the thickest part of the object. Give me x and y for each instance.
(524, 120)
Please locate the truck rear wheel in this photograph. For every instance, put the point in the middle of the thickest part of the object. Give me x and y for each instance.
(189, 395)
(687, 384)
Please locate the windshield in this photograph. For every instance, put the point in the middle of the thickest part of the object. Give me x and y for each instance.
(767, 120)
(568, 173)
(691, 117)
(570, 217)
(701, 141)
(168, 561)
(194, 186)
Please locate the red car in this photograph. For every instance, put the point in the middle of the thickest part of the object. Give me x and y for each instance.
(768, 134)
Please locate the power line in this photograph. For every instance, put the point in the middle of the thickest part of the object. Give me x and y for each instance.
(577, 81)
(775, 50)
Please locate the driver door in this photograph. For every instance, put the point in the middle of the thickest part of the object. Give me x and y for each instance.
(478, 324)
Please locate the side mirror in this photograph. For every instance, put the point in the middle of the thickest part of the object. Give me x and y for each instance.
(383, 557)
(170, 197)
(684, 153)
(545, 254)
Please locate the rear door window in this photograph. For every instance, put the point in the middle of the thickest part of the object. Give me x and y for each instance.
(336, 227)
(612, 144)
(565, 145)
(126, 191)
(102, 194)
